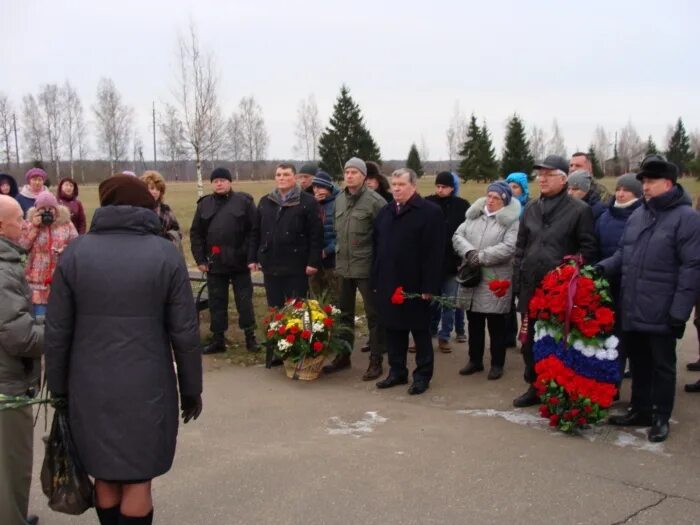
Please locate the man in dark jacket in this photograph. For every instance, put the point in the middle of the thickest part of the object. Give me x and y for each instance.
(453, 210)
(553, 226)
(287, 238)
(220, 236)
(659, 259)
(21, 343)
(409, 245)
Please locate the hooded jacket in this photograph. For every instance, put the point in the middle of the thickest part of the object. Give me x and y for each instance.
(659, 260)
(520, 179)
(328, 219)
(4, 177)
(77, 212)
(494, 237)
(21, 337)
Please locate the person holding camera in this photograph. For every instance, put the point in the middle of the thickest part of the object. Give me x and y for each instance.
(46, 232)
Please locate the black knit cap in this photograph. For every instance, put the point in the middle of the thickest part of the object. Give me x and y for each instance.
(445, 178)
(221, 173)
(308, 169)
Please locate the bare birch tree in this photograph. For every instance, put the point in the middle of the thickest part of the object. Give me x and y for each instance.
(537, 141)
(234, 140)
(33, 132)
(456, 134)
(72, 122)
(308, 129)
(555, 145)
(198, 98)
(423, 149)
(630, 148)
(6, 129)
(695, 142)
(49, 100)
(114, 120)
(601, 145)
(255, 138)
(172, 136)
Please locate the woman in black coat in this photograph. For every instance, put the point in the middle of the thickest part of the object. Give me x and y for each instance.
(121, 305)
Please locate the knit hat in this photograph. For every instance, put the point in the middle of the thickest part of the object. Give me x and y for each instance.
(221, 173)
(657, 167)
(629, 182)
(46, 199)
(373, 169)
(580, 180)
(358, 164)
(445, 178)
(322, 180)
(125, 190)
(503, 190)
(308, 169)
(35, 172)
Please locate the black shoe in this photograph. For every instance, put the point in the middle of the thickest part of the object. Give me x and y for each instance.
(276, 361)
(365, 348)
(341, 362)
(693, 388)
(495, 372)
(659, 430)
(251, 342)
(627, 374)
(392, 381)
(528, 399)
(417, 388)
(694, 366)
(216, 346)
(471, 368)
(33, 519)
(461, 338)
(511, 344)
(631, 419)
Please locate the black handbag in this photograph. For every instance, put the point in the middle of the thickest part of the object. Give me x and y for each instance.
(468, 276)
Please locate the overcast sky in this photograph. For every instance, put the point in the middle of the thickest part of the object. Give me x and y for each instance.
(406, 62)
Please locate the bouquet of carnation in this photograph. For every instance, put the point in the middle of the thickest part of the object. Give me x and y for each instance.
(575, 351)
(303, 333)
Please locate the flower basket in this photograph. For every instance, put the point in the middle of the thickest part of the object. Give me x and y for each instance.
(575, 351)
(306, 369)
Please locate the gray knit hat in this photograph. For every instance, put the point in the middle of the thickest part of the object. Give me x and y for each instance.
(358, 164)
(629, 182)
(580, 180)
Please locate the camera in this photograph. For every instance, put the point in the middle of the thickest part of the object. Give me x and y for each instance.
(46, 217)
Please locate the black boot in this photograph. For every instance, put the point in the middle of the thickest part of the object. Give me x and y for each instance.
(340, 362)
(251, 343)
(528, 399)
(374, 370)
(108, 516)
(633, 418)
(659, 429)
(217, 345)
(131, 520)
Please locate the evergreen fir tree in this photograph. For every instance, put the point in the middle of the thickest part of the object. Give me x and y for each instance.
(679, 147)
(488, 165)
(516, 152)
(413, 162)
(595, 163)
(345, 136)
(469, 167)
(651, 146)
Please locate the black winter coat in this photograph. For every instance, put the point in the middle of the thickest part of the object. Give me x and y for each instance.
(454, 210)
(408, 250)
(121, 305)
(592, 198)
(288, 237)
(225, 221)
(659, 259)
(545, 238)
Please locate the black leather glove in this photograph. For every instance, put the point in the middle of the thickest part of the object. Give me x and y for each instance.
(677, 327)
(472, 258)
(191, 407)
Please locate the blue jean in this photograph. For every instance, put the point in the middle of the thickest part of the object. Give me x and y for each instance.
(443, 316)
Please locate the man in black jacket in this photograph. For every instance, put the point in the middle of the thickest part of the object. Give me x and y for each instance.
(553, 226)
(221, 240)
(287, 238)
(453, 209)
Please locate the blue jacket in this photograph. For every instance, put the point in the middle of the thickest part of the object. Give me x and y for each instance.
(610, 225)
(659, 259)
(520, 179)
(328, 218)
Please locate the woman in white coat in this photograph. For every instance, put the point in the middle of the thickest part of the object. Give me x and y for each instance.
(487, 239)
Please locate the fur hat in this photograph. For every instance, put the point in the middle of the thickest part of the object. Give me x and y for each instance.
(125, 190)
(657, 167)
(373, 169)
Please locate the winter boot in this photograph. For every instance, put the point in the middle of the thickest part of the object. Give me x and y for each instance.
(340, 362)
(217, 345)
(108, 516)
(251, 343)
(374, 370)
(141, 520)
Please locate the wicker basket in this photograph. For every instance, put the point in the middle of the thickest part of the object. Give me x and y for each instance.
(308, 369)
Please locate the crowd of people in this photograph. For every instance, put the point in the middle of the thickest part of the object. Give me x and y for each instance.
(122, 291)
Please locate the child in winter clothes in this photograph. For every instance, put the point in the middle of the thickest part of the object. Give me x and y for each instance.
(68, 197)
(36, 178)
(45, 233)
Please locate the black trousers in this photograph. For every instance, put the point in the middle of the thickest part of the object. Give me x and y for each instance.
(653, 363)
(528, 356)
(497, 334)
(511, 336)
(397, 346)
(348, 291)
(279, 288)
(218, 300)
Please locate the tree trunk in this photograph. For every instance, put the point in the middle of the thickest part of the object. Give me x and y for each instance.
(198, 163)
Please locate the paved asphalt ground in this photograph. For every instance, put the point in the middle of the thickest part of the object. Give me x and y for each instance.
(268, 450)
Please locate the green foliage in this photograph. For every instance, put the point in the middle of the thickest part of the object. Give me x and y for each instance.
(479, 159)
(679, 147)
(345, 136)
(651, 146)
(413, 162)
(595, 163)
(516, 152)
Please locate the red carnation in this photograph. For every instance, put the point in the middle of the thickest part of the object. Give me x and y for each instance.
(587, 409)
(306, 334)
(279, 317)
(544, 411)
(282, 330)
(318, 346)
(215, 250)
(294, 329)
(554, 400)
(499, 287)
(291, 339)
(581, 421)
(605, 316)
(397, 297)
(298, 305)
(270, 334)
(328, 309)
(328, 322)
(553, 420)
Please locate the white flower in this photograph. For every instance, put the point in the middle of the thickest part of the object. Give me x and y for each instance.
(334, 310)
(274, 325)
(588, 351)
(611, 342)
(578, 345)
(612, 354)
(317, 327)
(283, 344)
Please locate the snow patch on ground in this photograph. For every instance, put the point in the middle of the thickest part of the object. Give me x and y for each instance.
(514, 416)
(361, 427)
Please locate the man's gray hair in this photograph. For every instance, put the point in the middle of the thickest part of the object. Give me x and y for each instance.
(412, 177)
